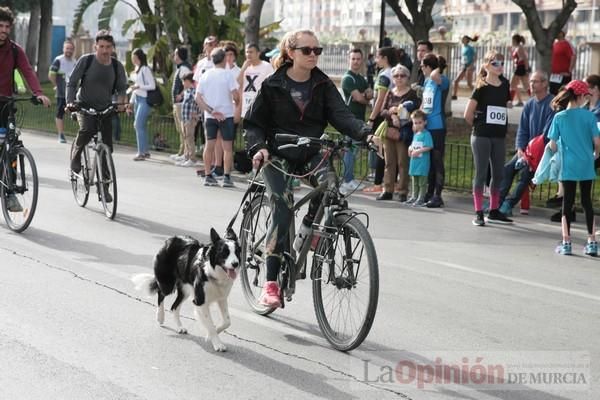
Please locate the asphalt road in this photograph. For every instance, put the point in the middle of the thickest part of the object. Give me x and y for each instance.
(479, 300)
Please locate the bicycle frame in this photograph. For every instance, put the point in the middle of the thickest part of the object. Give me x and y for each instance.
(332, 204)
(12, 141)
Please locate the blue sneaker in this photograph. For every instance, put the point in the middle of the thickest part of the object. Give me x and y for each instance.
(506, 209)
(591, 249)
(564, 248)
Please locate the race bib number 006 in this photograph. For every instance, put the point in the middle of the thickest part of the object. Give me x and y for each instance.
(496, 115)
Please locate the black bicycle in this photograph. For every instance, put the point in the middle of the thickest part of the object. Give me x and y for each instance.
(344, 268)
(18, 176)
(98, 170)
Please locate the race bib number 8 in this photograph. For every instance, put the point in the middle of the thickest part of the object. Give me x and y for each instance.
(428, 100)
(496, 115)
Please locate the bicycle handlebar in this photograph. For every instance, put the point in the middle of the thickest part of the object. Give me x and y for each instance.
(11, 99)
(324, 140)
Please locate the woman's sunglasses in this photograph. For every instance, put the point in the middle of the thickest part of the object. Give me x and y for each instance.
(497, 63)
(306, 50)
(400, 76)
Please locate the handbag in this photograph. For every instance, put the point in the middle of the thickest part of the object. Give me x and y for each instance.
(154, 98)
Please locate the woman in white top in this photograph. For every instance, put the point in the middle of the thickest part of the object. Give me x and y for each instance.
(144, 81)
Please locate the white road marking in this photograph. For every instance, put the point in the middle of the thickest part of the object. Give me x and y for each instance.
(511, 279)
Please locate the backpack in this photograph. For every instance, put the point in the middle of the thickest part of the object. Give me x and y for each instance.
(18, 85)
(115, 65)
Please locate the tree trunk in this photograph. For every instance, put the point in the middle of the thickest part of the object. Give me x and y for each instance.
(45, 46)
(33, 33)
(417, 26)
(252, 25)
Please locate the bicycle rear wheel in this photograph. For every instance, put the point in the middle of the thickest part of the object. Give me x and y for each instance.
(107, 181)
(80, 183)
(20, 190)
(345, 283)
(253, 233)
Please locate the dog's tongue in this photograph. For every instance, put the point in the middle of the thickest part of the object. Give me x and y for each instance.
(231, 273)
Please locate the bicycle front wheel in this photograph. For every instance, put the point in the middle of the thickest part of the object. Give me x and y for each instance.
(19, 192)
(107, 181)
(80, 183)
(253, 234)
(345, 283)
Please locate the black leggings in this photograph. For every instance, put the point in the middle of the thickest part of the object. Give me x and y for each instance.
(570, 188)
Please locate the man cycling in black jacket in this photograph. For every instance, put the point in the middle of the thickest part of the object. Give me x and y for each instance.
(297, 99)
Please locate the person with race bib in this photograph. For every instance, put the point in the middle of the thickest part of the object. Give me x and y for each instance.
(297, 99)
(562, 63)
(487, 113)
(435, 87)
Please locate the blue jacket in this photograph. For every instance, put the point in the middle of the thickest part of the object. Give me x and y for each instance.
(549, 167)
(535, 119)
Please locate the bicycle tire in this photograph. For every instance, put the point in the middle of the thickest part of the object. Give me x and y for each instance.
(25, 190)
(254, 222)
(107, 182)
(80, 184)
(348, 333)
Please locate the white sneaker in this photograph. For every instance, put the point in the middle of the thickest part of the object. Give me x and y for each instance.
(186, 163)
(346, 188)
(357, 185)
(176, 157)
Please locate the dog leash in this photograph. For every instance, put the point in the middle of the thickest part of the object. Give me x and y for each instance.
(248, 191)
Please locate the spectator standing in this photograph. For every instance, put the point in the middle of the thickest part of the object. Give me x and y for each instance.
(399, 102)
(521, 71)
(435, 90)
(535, 120)
(216, 95)
(252, 74)
(144, 81)
(386, 59)
(183, 67)
(487, 112)
(418, 151)
(190, 114)
(574, 134)
(562, 63)
(424, 47)
(468, 64)
(59, 74)
(205, 61)
(404, 59)
(593, 82)
(357, 95)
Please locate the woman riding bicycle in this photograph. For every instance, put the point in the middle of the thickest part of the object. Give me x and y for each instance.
(297, 99)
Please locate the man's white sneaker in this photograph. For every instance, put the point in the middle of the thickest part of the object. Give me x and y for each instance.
(186, 163)
(176, 157)
(357, 185)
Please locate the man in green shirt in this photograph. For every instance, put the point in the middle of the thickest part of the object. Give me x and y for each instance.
(357, 95)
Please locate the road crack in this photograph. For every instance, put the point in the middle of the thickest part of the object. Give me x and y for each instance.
(233, 335)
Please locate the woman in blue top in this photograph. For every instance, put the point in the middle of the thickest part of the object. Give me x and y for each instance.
(468, 64)
(435, 91)
(574, 133)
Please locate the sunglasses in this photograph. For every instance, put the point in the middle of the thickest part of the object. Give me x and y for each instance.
(496, 63)
(400, 76)
(306, 50)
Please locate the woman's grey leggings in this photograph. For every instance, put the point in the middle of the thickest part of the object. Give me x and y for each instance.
(492, 152)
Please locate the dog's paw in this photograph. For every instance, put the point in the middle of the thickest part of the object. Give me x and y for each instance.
(220, 347)
(160, 317)
(182, 331)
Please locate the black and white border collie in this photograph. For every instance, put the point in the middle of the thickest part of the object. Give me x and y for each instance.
(190, 268)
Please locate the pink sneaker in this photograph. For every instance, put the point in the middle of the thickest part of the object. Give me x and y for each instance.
(270, 295)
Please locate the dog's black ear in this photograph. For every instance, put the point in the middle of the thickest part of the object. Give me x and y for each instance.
(214, 236)
(231, 235)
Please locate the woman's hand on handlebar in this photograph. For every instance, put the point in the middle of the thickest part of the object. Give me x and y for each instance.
(259, 158)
